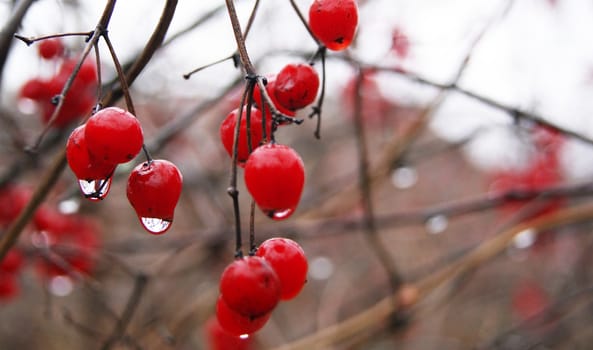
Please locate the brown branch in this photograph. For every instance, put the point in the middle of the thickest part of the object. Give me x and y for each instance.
(133, 301)
(365, 187)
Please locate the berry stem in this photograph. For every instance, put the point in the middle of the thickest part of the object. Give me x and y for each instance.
(232, 189)
(252, 246)
(321, 52)
(30, 40)
(304, 21)
(120, 73)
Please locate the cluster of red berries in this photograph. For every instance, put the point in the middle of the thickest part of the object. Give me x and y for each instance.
(274, 173)
(540, 172)
(334, 22)
(79, 100)
(114, 136)
(65, 244)
(252, 286)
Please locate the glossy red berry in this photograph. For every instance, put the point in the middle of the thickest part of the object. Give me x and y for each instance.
(227, 133)
(288, 259)
(275, 176)
(296, 86)
(94, 176)
(236, 324)
(82, 164)
(50, 48)
(271, 90)
(250, 287)
(153, 190)
(221, 339)
(334, 22)
(113, 135)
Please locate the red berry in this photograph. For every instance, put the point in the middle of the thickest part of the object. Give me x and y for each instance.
(271, 90)
(13, 199)
(400, 44)
(288, 260)
(227, 133)
(12, 262)
(221, 339)
(73, 242)
(113, 135)
(529, 299)
(334, 22)
(250, 287)
(82, 164)
(296, 86)
(375, 106)
(34, 89)
(9, 287)
(275, 176)
(50, 48)
(153, 190)
(236, 324)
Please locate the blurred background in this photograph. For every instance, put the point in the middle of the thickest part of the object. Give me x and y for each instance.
(469, 174)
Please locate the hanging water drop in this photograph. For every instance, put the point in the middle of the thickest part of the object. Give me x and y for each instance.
(280, 214)
(156, 225)
(95, 190)
(437, 224)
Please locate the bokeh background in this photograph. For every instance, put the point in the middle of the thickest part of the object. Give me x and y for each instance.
(477, 132)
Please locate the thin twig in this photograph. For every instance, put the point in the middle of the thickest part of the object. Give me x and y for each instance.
(132, 305)
(365, 187)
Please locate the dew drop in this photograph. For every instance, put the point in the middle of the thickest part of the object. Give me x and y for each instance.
(437, 224)
(61, 286)
(95, 190)
(280, 214)
(404, 177)
(156, 225)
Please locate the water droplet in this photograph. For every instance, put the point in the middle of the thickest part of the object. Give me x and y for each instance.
(69, 206)
(437, 224)
(95, 189)
(321, 268)
(156, 225)
(524, 239)
(61, 286)
(244, 336)
(404, 177)
(280, 214)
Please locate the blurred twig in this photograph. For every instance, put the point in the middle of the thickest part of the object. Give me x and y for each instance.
(487, 250)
